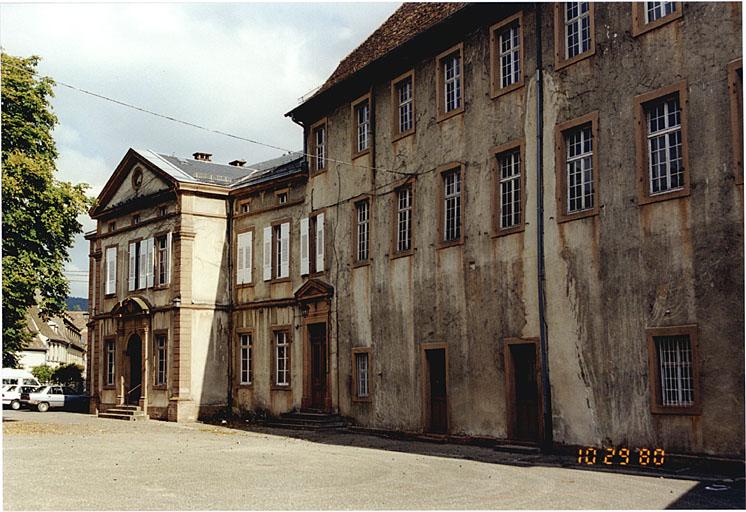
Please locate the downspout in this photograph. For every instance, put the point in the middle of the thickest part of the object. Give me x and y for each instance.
(547, 439)
(231, 336)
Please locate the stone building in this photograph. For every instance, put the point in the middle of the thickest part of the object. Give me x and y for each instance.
(516, 222)
(54, 341)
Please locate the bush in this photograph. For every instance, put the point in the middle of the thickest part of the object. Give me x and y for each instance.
(43, 373)
(69, 375)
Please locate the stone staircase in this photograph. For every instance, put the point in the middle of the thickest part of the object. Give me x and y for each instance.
(307, 419)
(124, 412)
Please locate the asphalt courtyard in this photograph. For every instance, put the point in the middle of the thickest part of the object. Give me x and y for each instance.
(67, 461)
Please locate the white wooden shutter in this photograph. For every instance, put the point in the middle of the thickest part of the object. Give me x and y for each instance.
(267, 253)
(320, 242)
(168, 257)
(150, 268)
(142, 279)
(240, 241)
(132, 266)
(304, 246)
(111, 270)
(243, 256)
(248, 256)
(285, 246)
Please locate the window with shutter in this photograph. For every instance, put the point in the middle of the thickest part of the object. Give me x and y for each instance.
(285, 248)
(111, 270)
(304, 247)
(267, 255)
(150, 262)
(132, 275)
(319, 242)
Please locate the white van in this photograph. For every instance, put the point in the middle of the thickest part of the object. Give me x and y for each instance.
(15, 377)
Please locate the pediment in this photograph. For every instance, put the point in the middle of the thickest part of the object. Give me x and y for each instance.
(314, 289)
(131, 306)
(134, 178)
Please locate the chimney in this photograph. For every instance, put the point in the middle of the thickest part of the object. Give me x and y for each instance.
(205, 157)
(237, 163)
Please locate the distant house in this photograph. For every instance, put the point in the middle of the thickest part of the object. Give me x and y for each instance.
(54, 342)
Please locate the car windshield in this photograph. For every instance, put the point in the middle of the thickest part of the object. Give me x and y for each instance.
(11, 388)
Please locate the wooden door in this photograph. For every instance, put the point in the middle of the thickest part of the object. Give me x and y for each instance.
(134, 354)
(526, 392)
(436, 363)
(317, 341)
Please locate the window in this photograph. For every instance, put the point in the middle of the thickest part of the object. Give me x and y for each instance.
(244, 207)
(450, 82)
(577, 169)
(312, 244)
(282, 359)
(403, 220)
(362, 125)
(110, 362)
(361, 374)
(318, 146)
(160, 359)
(661, 140)
(402, 100)
(135, 219)
(649, 15)
(277, 261)
(111, 270)
(506, 39)
(509, 170)
(141, 264)
(282, 198)
(245, 354)
(162, 211)
(244, 257)
(362, 230)
(674, 374)
(163, 259)
(574, 32)
(735, 86)
(451, 192)
(112, 226)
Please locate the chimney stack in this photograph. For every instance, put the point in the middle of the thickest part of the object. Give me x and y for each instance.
(237, 163)
(205, 157)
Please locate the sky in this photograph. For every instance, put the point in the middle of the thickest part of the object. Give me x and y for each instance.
(236, 68)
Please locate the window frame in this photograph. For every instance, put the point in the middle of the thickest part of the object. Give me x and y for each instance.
(395, 121)
(496, 88)
(355, 391)
(356, 153)
(288, 343)
(355, 202)
(408, 183)
(656, 406)
(560, 136)
(560, 41)
(110, 341)
(314, 169)
(639, 23)
(440, 172)
(239, 359)
(641, 137)
(157, 260)
(735, 92)
(442, 115)
(156, 359)
(495, 152)
(276, 255)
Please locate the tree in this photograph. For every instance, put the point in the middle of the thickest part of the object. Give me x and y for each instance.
(39, 212)
(69, 375)
(43, 373)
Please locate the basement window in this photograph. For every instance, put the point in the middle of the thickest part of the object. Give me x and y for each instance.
(361, 374)
(674, 373)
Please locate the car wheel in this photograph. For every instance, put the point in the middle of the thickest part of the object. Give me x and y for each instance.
(15, 405)
(42, 407)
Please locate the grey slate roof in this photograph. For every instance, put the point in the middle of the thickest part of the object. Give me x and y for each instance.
(189, 170)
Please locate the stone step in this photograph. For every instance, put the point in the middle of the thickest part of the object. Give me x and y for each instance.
(526, 449)
(129, 412)
(129, 407)
(125, 417)
(310, 417)
(299, 425)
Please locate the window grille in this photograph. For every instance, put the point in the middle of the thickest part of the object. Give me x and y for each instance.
(579, 144)
(110, 354)
(160, 354)
(282, 370)
(362, 112)
(404, 224)
(452, 205)
(320, 147)
(510, 188)
(510, 69)
(363, 215)
(666, 172)
(406, 104)
(675, 363)
(452, 81)
(577, 28)
(657, 10)
(245, 354)
(361, 363)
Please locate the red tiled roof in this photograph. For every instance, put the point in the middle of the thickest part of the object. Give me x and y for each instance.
(408, 21)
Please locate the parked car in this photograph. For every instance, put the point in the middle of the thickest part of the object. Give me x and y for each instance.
(54, 396)
(13, 376)
(12, 395)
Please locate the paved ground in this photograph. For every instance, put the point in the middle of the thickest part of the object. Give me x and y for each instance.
(66, 461)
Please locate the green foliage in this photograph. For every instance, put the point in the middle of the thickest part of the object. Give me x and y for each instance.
(39, 212)
(69, 374)
(43, 373)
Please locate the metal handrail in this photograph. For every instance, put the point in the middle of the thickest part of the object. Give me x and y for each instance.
(131, 390)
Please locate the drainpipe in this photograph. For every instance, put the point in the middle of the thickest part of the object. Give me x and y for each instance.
(231, 336)
(547, 441)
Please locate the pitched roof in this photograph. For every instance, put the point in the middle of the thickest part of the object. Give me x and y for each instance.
(407, 21)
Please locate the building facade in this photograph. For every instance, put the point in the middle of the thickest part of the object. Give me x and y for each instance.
(516, 222)
(55, 341)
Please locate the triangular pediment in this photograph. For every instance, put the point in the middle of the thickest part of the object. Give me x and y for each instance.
(134, 178)
(314, 289)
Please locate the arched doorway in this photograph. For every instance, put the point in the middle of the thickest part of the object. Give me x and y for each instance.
(134, 357)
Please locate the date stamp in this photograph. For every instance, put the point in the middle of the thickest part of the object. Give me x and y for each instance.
(622, 456)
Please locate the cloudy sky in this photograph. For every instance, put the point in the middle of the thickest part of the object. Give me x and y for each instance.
(232, 67)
